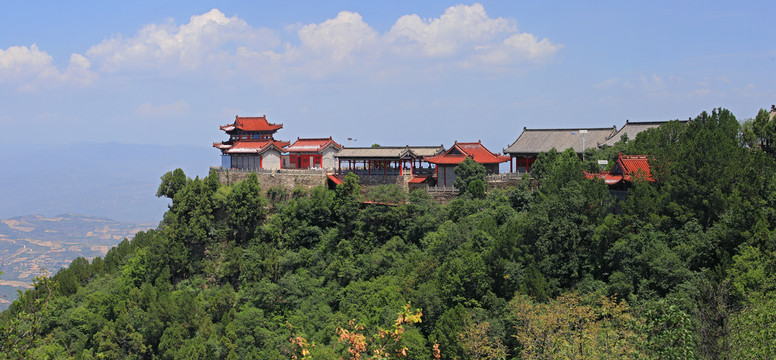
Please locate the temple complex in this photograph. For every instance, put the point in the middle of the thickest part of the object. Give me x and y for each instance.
(308, 161)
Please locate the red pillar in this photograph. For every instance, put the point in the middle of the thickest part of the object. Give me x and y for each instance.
(369, 171)
(511, 158)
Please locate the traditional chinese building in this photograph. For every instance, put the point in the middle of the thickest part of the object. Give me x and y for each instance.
(532, 142)
(387, 160)
(626, 169)
(630, 130)
(251, 144)
(315, 153)
(448, 160)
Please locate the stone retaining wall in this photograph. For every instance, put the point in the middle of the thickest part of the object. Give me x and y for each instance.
(291, 179)
(287, 179)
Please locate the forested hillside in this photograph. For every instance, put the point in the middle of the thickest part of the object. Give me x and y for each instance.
(553, 268)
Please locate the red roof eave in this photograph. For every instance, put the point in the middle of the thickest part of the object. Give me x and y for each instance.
(312, 145)
(419, 179)
(335, 179)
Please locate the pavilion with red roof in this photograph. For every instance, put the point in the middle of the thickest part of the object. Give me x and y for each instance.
(448, 160)
(251, 128)
(626, 169)
(251, 144)
(311, 153)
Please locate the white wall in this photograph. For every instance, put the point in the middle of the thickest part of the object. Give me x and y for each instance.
(271, 160)
(328, 161)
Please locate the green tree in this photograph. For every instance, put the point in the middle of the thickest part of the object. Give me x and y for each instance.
(345, 204)
(21, 325)
(543, 163)
(246, 207)
(753, 329)
(467, 172)
(172, 182)
(764, 128)
(669, 329)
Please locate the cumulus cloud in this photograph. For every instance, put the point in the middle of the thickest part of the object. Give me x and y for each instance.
(18, 62)
(467, 32)
(177, 108)
(458, 28)
(340, 37)
(31, 68)
(206, 39)
(214, 44)
(462, 34)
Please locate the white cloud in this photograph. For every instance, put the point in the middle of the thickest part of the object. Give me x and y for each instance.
(31, 68)
(607, 83)
(531, 47)
(340, 37)
(19, 62)
(213, 44)
(207, 39)
(177, 108)
(461, 27)
(228, 45)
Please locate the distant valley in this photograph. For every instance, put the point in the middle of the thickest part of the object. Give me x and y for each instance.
(34, 244)
(110, 180)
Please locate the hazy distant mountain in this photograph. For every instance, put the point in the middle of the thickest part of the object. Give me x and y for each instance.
(114, 180)
(29, 244)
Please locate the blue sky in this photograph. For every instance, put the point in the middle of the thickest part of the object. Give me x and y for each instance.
(394, 73)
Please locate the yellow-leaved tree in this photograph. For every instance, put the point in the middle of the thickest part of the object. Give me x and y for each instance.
(568, 328)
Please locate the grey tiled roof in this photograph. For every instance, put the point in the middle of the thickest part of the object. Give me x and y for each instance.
(631, 129)
(535, 141)
(389, 152)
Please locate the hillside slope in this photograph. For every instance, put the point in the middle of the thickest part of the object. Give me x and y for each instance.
(682, 269)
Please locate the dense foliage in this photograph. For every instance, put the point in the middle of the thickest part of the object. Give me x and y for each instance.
(552, 268)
